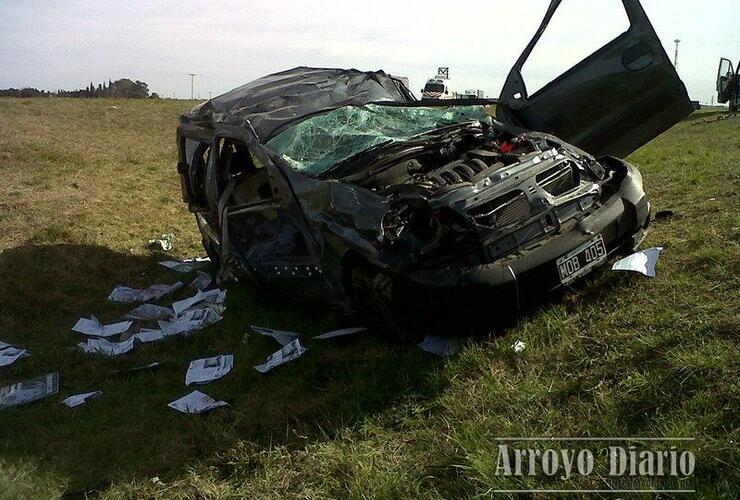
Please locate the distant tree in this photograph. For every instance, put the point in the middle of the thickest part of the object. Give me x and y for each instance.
(129, 89)
(120, 88)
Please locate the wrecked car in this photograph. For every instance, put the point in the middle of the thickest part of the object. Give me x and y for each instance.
(340, 186)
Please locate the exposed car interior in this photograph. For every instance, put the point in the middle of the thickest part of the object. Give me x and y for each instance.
(252, 183)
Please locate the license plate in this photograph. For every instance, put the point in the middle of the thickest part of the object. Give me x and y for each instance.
(580, 261)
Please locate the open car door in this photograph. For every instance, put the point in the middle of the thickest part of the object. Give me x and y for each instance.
(611, 103)
(728, 86)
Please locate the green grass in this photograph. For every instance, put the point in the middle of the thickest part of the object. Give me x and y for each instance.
(84, 185)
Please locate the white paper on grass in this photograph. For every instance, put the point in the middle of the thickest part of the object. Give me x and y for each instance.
(283, 337)
(215, 296)
(95, 328)
(147, 335)
(156, 292)
(202, 281)
(202, 371)
(29, 391)
(80, 399)
(439, 345)
(10, 354)
(102, 346)
(195, 403)
(186, 265)
(148, 312)
(124, 294)
(128, 295)
(518, 346)
(643, 262)
(341, 333)
(190, 321)
(288, 353)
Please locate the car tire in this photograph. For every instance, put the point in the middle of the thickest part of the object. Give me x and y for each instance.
(372, 304)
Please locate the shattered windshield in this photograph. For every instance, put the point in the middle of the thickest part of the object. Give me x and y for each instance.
(317, 144)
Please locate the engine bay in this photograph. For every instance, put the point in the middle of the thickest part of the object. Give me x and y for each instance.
(475, 153)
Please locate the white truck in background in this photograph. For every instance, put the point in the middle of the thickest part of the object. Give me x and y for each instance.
(472, 94)
(439, 87)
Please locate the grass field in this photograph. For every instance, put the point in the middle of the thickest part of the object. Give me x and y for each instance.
(86, 182)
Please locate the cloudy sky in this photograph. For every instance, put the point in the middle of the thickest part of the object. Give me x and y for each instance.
(52, 44)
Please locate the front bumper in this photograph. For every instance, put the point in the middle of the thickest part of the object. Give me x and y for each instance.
(512, 283)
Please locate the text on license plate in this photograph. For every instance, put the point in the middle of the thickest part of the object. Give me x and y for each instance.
(581, 260)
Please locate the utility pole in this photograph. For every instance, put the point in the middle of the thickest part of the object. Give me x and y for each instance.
(675, 57)
(192, 75)
(210, 95)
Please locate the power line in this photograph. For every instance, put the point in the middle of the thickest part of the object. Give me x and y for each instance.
(675, 57)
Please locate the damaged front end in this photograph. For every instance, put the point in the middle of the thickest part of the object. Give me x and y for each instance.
(472, 217)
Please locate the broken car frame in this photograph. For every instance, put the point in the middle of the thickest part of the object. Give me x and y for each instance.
(338, 184)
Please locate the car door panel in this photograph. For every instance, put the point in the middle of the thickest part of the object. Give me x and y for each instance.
(265, 237)
(612, 102)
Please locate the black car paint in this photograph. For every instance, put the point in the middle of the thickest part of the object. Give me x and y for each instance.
(612, 102)
(307, 235)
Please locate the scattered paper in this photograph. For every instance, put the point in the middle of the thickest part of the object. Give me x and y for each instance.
(202, 371)
(94, 328)
(148, 312)
(284, 338)
(215, 296)
(341, 333)
(292, 351)
(518, 346)
(128, 295)
(189, 321)
(196, 403)
(10, 355)
(158, 482)
(29, 391)
(439, 345)
(165, 242)
(643, 262)
(202, 281)
(124, 294)
(186, 265)
(80, 399)
(102, 346)
(147, 335)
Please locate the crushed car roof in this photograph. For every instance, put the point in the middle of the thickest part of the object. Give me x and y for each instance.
(274, 101)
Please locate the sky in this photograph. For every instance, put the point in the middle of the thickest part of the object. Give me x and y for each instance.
(51, 44)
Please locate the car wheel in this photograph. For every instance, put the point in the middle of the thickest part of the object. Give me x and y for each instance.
(371, 302)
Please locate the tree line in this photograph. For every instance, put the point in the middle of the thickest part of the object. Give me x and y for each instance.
(123, 88)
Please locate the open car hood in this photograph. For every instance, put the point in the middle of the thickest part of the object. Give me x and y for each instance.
(274, 101)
